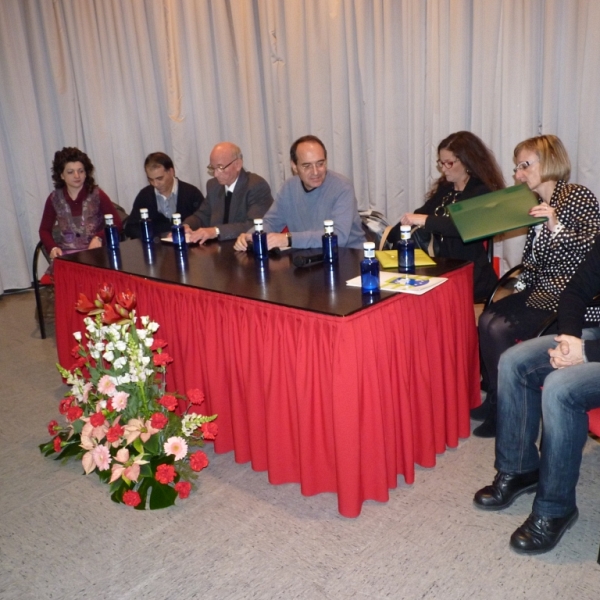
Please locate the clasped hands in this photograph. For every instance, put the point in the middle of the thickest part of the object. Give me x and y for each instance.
(274, 240)
(568, 352)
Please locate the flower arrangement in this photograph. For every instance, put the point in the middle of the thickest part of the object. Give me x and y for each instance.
(120, 422)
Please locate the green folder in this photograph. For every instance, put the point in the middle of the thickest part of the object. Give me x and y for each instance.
(485, 216)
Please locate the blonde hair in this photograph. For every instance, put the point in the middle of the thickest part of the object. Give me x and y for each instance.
(553, 157)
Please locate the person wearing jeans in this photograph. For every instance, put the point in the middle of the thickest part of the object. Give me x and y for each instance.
(554, 381)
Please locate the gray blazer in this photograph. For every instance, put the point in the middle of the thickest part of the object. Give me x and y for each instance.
(251, 199)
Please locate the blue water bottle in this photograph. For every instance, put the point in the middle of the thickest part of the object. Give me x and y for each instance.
(406, 251)
(111, 233)
(330, 244)
(259, 240)
(369, 270)
(177, 232)
(146, 229)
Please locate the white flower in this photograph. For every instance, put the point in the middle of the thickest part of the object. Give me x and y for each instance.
(145, 360)
(124, 379)
(95, 355)
(77, 335)
(99, 346)
(142, 333)
(121, 346)
(108, 356)
(120, 362)
(145, 320)
(148, 342)
(153, 327)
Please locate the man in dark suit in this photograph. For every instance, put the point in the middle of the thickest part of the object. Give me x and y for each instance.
(164, 196)
(234, 198)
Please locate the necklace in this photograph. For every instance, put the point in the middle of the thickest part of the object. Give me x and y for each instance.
(449, 198)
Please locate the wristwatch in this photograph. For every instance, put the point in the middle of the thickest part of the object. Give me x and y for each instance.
(218, 231)
(289, 237)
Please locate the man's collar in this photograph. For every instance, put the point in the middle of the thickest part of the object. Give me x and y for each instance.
(173, 191)
(231, 188)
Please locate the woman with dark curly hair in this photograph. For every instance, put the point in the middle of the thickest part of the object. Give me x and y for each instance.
(468, 169)
(73, 218)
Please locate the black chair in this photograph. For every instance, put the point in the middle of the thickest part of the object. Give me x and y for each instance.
(46, 280)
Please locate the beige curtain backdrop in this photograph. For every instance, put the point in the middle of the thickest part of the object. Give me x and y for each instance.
(380, 81)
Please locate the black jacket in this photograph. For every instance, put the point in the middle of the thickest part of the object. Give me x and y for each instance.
(189, 198)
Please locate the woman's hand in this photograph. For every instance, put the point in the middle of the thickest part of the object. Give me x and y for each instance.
(95, 243)
(545, 210)
(56, 251)
(413, 219)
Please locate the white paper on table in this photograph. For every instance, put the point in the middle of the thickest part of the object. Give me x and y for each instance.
(400, 282)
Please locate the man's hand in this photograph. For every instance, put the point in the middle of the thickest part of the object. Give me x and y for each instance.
(569, 352)
(277, 240)
(202, 235)
(241, 244)
(413, 219)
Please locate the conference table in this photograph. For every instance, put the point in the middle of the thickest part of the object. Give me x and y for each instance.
(312, 381)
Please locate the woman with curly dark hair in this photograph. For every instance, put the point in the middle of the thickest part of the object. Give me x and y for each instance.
(73, 218)
(468, 169)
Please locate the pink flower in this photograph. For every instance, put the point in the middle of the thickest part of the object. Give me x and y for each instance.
(128, 469)
(195, 396)
(138, 428)
(106, 386)
(101, 457)
(176, 446)
(53, 427)
(169, 402)
(210, 430)
(183, 488)
(119, 401)
(131, 498)
(198, 461)
(87, 388)
(158, 420)
(165, 473)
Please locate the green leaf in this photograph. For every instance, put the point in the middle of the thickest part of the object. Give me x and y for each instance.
(162, 495)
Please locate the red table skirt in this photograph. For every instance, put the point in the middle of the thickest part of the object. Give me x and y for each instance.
(335, 404)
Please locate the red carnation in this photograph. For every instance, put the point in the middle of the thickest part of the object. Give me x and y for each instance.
(75, 351)
(97, 419)
(109, 405)
(198, 461)
(64, 405)
(114, 433)
(74, 413)
(158, 420)
(183, 488)
(165, 473)
(195, 396)
(169, 402)
(127, 299)
(57, 444)
(53, 427)
(162, 359)
(106, 292)
(210, 430)
(131, 498)
(157, 344)
(78, 364)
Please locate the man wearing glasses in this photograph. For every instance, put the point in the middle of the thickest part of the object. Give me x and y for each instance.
(234, 198)
(164, 196)
(304, 201)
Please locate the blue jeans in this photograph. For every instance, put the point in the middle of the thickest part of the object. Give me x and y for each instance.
(562, 404)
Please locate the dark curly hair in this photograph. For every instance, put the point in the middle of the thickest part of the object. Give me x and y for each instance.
(478, 159)
(67, 155)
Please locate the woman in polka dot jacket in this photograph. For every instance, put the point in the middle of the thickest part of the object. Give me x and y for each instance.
(553, 251)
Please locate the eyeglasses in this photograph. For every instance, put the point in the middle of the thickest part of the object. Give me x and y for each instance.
(306, 167)
(446, 163)
(524, 165)
(211, 170)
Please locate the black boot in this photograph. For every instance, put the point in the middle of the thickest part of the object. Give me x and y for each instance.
(481, 412)
(488, 428)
